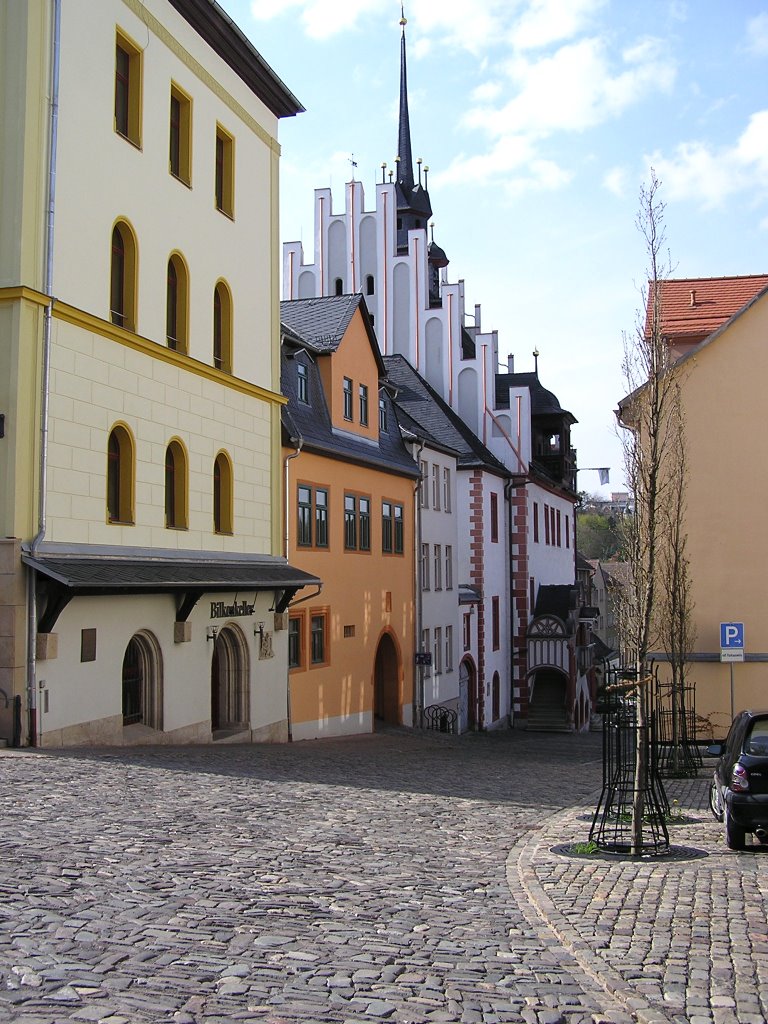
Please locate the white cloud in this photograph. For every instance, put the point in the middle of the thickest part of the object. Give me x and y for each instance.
(709, 175)
(551, 21)
(757, 30)
(320, 19)
(486, 92)
(512, 163)
(574, 88)
(615, 181)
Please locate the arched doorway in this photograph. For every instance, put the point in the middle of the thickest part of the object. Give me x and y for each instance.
(547, 710)
(468, 717)
(386, 686)
(142, 681)
(229, 682)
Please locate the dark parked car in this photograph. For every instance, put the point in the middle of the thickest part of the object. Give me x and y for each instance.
(739, 794)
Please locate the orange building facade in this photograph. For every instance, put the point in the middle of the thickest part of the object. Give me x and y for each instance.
(350, 492)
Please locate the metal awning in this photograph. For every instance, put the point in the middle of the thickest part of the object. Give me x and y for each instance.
(188, 575)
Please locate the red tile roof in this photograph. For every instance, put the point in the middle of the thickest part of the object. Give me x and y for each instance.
(695, 307)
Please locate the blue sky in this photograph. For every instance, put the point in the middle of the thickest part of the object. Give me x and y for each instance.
(540, 121)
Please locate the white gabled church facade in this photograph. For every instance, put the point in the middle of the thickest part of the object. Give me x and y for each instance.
(389, 254)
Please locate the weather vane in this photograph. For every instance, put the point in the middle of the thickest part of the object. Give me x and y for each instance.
(403, 19)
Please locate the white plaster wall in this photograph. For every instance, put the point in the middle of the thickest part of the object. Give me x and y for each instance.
(90, 691)
(547, 563)
(101, 176)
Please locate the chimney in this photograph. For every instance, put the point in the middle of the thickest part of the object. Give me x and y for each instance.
(693, 297)
(510, 364)
(477, 317)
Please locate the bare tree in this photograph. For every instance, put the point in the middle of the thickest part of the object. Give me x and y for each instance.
(654, 461)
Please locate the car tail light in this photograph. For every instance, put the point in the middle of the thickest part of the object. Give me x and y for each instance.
(739, 779)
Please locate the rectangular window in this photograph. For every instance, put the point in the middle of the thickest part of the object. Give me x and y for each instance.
(225, 172)
(447, 489)
(386, 527)
(364, 523)
(425, 566)
(347, 390)
(546, 524)
(383, 416)
(319, 638)
(557, 523)
(494, 518)
(552, 524)
(302, 383)
(449, 567)
(536, 522)
(350, 522)
(180, 143)
(363, 401)
(87, 645)
(531, 594)
(449, 648)
(467, 639)
(321, 518)
(425, 639)
(424, 484)
(436, 488)
(304, 535)
(495, 623)
(399, 530)
(312, 507)
(349, 632)
(567, 531)
(128, 72)
(295, 641)
(437, 652)
(438, 562)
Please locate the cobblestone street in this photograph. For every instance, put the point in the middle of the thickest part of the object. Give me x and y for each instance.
(392, 877)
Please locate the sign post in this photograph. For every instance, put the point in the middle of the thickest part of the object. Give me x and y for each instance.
(732, 649)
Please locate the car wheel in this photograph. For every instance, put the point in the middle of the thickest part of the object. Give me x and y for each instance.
(734, 834)
(716, 801)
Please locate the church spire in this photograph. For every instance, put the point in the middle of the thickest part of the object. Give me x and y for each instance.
(413, 206)
(404, 154)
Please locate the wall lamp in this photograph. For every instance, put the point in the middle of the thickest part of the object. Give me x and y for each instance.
(259, 631)
(211, 632)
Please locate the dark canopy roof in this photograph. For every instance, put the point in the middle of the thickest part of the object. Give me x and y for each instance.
(80, 572)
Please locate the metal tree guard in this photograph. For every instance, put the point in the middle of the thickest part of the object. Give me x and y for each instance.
(611, 828)
(679, 753)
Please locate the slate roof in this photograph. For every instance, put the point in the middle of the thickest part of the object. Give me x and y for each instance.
(543, 402)
(221, 33)
(556, 599)
(321, 323)
(422, 411)
(312, 330)
(99, 572)
(693, 308)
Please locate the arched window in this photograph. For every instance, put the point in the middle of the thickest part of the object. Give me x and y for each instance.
(177, 288)
(222, 328)
(369, 285)
(176, 486)
(122, 279)
(339, 286)
(120, 476)
(223, 497)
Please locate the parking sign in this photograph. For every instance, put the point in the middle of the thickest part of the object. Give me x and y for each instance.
(731, 641)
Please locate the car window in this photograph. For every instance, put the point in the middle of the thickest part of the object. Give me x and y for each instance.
(757, 740)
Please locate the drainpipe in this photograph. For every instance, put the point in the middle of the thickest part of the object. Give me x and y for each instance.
(35, 731)
(298, 440)
(418, 710)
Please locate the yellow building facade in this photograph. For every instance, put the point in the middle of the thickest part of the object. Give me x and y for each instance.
(141, 492)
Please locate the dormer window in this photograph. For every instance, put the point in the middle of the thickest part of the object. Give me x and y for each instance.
(303, 383)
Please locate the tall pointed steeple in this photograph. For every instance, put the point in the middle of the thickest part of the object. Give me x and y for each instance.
(404, 153)
(413, 206)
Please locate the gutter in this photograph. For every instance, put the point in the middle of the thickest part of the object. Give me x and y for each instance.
(35, 732)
